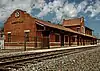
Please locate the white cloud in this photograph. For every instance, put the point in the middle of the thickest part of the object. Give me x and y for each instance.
(38, 4)
(97, 18)
(51, 7)
(94, 9)
(8, 6)
(82, 6)
(70, 10)
(61, 8)
(44, 12)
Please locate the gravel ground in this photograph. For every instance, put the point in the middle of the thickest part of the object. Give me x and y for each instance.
(84, 61)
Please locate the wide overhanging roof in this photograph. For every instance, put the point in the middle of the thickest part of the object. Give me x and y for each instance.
(61, 28)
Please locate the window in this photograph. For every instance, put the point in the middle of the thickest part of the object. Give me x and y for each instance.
(39, 27)
(9, 37)
(66, 38)
(56, 38)
(78, 29)
(27, 36)
(83, 29)
(1, 35)
(17, 14)
(82, 19)
(73, 39)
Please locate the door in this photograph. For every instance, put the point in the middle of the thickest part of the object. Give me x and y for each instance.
(45, 39)
(62, 39)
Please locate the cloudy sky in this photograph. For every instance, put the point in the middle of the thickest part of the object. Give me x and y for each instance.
(55, 10)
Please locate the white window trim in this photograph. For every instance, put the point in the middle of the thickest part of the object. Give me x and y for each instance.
(83, 29)
(26, 30)
(9, 32)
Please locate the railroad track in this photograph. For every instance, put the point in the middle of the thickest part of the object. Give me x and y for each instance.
(6, 63)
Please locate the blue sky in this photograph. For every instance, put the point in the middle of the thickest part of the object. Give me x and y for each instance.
(55, 10)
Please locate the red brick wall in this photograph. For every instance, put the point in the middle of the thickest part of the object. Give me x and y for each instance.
(74, 23)
(75, 28)
(87, 31)
(24, 22)
(52, 37)
(17, 25)
(71, 22)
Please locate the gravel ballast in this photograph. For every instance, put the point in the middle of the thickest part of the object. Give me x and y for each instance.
(84, 61)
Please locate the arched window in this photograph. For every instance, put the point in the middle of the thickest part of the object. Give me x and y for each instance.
(78, 29)
(83, 29)
(57, 37)
(9, 36)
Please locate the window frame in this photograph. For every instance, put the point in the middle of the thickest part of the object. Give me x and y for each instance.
(78, 29)
(9, 37)
(57, 38)
(65, 38)
(27, 36)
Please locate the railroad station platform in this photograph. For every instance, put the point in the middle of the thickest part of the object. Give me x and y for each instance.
(11, 53)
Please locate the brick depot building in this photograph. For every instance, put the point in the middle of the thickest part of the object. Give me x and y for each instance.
(22, 28)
